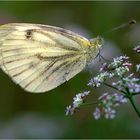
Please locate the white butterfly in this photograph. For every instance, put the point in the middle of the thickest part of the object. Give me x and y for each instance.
(41, 57)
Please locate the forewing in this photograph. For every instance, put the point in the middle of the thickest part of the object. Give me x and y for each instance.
(38, 57)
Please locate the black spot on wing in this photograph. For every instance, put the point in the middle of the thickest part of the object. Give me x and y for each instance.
(29, 33)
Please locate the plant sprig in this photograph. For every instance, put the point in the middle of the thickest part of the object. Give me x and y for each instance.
(125, 83)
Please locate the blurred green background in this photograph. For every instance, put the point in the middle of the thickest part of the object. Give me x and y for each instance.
(26, 115)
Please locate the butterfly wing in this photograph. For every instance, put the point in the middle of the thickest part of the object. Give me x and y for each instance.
(40, 57)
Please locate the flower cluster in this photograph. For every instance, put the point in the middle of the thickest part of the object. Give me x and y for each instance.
(118, 62)
(118, 68)
(122, 80)
(78, 100)
(138, 67)
(99, 79)
(107, 104)
(130, 83)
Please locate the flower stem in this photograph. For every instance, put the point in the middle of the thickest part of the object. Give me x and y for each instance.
(131, 99)
(114, 88)
(87, 104)
(136, 93)
(129, 96)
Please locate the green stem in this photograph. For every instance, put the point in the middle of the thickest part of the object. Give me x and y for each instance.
(131, 99)
(133, 94)
(114, 88)
(128, 95)
(91, 103)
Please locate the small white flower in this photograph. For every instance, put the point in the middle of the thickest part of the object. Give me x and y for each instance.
(111, 75)
(119, 85)
(77, 101)
(110, 113)
(114, 83)
(134, 87)
(120, 98)
(135, 79)
(94, 82)
(127, 64)
(69, 110)
(97, 113)
(85, 93)
(120, 71)
(99, 79)
(137, 49)
(118, 61)
(123, 58)
(103, 96)
(138, 67)
(104, 67)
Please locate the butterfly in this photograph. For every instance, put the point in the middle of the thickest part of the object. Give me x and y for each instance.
(41, 57)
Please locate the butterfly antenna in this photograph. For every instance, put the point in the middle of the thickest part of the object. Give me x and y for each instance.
(129, 23)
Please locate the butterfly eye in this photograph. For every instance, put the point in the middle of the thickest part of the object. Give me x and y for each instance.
(100, 41)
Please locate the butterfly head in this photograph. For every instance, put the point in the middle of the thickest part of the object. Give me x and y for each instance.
(97, 42)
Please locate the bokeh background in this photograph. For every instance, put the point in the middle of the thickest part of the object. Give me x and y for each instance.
(26, 115)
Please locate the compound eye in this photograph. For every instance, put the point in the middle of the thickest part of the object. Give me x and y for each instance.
(100, 41)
